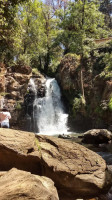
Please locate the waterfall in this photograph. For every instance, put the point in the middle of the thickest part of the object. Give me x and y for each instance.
(28, 102)
(2, 102)
(32, 86)
(49, 111)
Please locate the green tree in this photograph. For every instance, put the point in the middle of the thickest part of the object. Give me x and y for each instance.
(8, 10)
(82, 23)
(36, 33)
(106, 8)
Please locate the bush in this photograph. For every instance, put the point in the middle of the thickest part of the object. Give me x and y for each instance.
(23, 60)
(35, 71)
(107, 73)
(77, 102)
(110, 104)
(72, 56)
(18, 106)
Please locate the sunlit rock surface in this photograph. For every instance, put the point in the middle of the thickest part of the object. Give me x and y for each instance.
(20, 185)
(76, 171)
(97, 136)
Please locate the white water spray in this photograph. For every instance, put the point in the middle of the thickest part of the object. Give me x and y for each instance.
(49, 111)
(32, 86)
(2, 102)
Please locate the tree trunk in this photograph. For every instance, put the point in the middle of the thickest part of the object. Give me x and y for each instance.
(81, 70)
(82, 83)
(47, 60)
(40, 62)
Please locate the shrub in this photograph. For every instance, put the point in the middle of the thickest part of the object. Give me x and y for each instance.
(4, 94)
(38, 145)
(24, 60)
(18, 106)
(110, 104)
(76, 105)
(35, 71)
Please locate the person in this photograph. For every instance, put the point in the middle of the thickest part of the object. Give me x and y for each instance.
(4, 118)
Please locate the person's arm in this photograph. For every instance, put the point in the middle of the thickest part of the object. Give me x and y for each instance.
(9, 115)
(1, 116)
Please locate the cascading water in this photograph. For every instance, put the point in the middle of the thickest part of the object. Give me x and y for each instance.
(2, 102)
(49, 112)
(32, 86)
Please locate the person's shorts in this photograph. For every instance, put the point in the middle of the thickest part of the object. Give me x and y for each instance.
(4, 125)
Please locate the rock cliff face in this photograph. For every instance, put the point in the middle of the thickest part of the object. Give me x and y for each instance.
(13, 87)
(36, 89)
(13, 82)
(14, 92)
(96, 112)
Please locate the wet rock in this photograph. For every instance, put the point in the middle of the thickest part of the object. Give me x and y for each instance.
(18, 185)
(97, 136)
(108, 196)
(64, 136)
(36, 88)
(107, 157)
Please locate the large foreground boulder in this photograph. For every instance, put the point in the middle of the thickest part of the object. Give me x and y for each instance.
(20, 185)
(76, 171)
(97, 136)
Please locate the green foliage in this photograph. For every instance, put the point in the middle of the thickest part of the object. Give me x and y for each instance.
(101, 108)
(98, 110)
(107, 72)
(73, 55)
(73, 60)
(37, 144)
(23, 59)
(77, 103)
(82, 23)
(8, 10)
(35, 71)
(4, 94)
(18, 106)
(110, 104)
(106, 8)
(35, 33)
(108, 62)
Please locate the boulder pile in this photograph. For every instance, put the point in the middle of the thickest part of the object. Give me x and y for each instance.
(76, 171)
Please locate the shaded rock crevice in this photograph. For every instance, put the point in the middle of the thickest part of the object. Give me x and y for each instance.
(10, 159)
